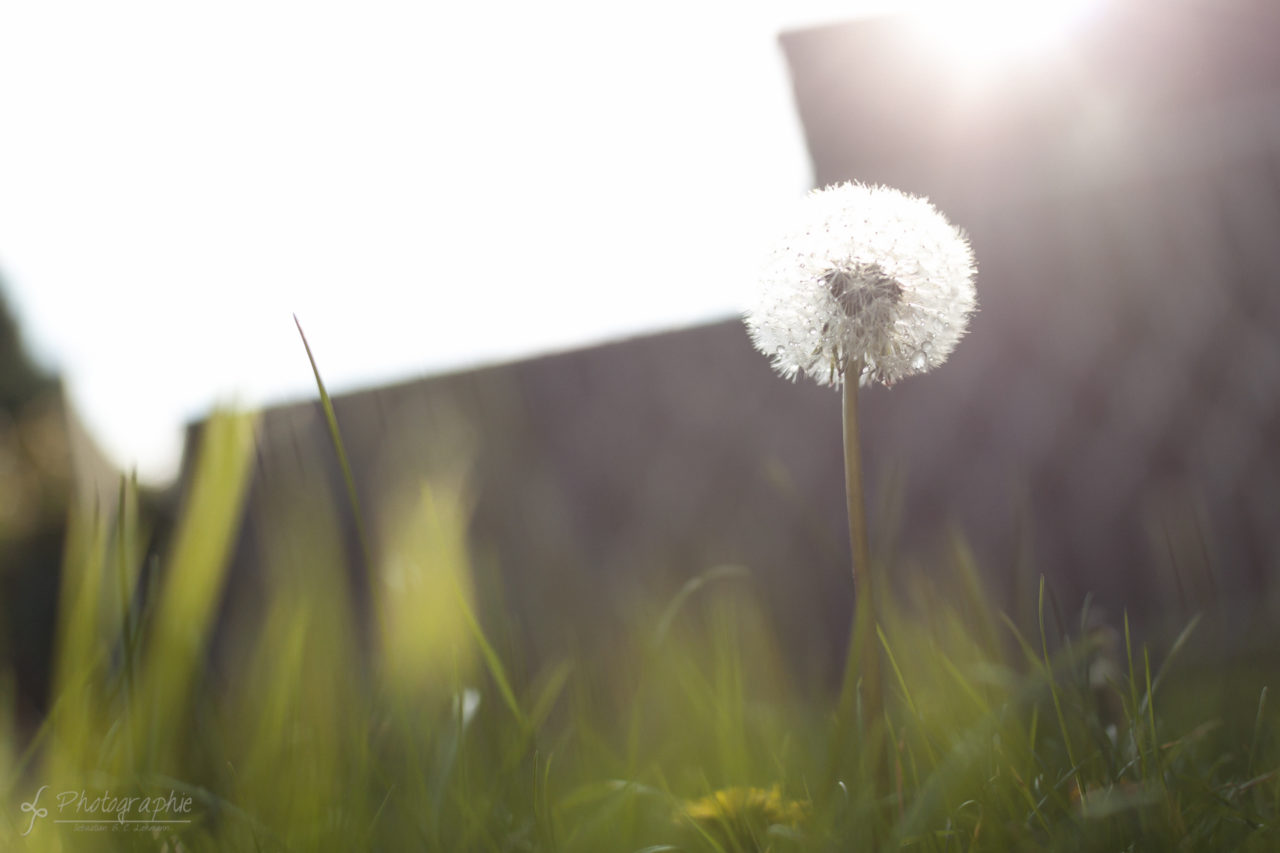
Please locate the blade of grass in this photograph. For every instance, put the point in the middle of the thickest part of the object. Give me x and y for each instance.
(1134, 716)
(126, 514)
(336, 436)
(897, 672)
(906, 692)
(192, 588)
(963, 683)
(688, 589)
(1177, 646)
(79, 659)
(1257, 728)
(1053, 685)
(552, 688)
(975, 599)
(1151, 714)
(1033, 657)
(492, 662)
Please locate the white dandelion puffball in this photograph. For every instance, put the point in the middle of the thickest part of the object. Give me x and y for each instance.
(869, 276)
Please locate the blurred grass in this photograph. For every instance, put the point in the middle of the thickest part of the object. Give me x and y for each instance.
(307, 724)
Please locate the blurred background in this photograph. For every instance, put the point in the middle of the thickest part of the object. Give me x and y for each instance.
(427, 185)
(575, 201)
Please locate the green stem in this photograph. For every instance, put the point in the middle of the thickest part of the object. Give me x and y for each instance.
(863, 652)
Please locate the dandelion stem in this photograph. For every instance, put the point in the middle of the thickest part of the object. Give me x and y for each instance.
(853, 482)
(865, 621)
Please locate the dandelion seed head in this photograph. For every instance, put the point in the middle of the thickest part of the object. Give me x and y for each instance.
(867, 274)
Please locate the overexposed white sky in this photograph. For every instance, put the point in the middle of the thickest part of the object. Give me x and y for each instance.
(426, 185)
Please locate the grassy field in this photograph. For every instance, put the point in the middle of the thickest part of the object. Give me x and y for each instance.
(310, 726)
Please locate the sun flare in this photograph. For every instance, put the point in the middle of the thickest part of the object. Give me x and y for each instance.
(983, 33)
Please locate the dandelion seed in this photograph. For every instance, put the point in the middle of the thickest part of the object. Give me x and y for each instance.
(871, 277)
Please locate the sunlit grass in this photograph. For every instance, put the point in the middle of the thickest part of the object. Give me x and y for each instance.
(308, 723)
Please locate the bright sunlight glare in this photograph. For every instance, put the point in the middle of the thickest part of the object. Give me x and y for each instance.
(984, 33)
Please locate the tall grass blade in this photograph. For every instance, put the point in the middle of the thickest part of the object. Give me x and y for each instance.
(1257, 729)
(1053, 681)
(190, 591)
(492, 662)
(1177, 646)
(335, 435)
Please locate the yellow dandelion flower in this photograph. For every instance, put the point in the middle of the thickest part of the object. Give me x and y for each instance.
(739, 818)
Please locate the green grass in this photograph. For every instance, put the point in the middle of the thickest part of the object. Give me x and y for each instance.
(303, 725)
